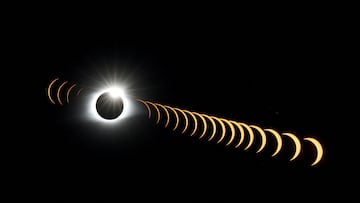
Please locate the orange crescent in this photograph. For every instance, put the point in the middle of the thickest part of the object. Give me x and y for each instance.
(157, 112)
(278, 139)
(232, 131)
(263, 137)
(58, 92)
(78, 92)
(176, 117)
(49, 89)
(185, 117)
(251, 135)
(147, 107)
(241, 133)
(214, 126)
(68, 93)
(297, 145)
(167, 115)
(204, 124)
(319, 149)
(195, 121)
(223, 129)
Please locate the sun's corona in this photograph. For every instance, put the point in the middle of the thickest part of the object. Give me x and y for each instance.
(109, 105)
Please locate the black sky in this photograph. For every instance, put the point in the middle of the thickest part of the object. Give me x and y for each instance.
(282, 77)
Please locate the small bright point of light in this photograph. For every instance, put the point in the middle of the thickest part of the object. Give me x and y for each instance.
(116, 92)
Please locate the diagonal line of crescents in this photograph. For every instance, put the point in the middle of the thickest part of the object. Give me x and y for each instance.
(235, 133)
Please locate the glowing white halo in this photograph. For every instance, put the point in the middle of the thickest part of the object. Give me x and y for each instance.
(115, 92)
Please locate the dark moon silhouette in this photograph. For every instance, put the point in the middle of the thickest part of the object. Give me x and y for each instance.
(108, 106)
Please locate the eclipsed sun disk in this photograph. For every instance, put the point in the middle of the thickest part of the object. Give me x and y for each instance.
(109, 106)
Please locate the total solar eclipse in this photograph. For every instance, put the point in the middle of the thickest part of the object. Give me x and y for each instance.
(109, 105)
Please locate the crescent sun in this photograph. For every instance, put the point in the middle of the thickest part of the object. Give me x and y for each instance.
(263, 137)
(157, 111)
(59, 90)
(204, 124)
(176, 117)
(297, 145)
(278, 139)
(241, 133)
(68, 93)
(186, 119)
(223, 129)
(195, 121)
(167, 115)
(147, 107)
(232, 131)
(49, 89)
(213, 126)
(319, 149)
(251, 135)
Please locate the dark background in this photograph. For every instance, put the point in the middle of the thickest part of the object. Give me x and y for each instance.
(290, 76)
